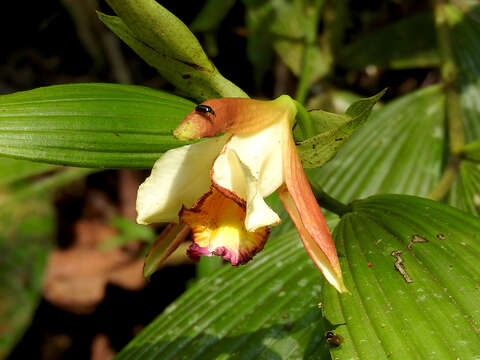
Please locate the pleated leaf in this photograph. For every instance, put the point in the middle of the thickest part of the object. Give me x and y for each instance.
(412, 266)
(398, 150)
(465, 190)
(266, 310)
(91, 125)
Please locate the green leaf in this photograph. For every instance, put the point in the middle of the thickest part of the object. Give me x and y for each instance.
(260, 311)
(334, 130)
(399, 150)
(12, 170)
(26, 234)
(91, 125)
(472, 151)
(412, 267)
(211, 15)
(284, 25)
(408, 43)
(33, 189)
(166, 43)
(129, 231)
(268, 309)
(465, 191)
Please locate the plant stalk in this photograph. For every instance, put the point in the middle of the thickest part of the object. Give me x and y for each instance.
(446, 181)
(304, 120)
(449, 75)
(330, 203)
(308, 52)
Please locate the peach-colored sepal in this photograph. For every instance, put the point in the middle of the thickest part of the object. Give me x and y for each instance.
(232, 115)
(218, 226)
(164, 246)
(300, 202)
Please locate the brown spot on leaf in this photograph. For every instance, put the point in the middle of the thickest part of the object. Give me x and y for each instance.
(416, 239)
(440, 237)
(400, 267)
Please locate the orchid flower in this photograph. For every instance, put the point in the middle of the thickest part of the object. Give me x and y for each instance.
(217, 187)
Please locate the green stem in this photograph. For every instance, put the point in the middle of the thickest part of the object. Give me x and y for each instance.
(304, 120)
(446, 181)
(454, 118)
(330, 203)
(449, 75)
(309, 50)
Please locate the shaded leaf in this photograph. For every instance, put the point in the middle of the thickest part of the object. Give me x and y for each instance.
(412, 267)
(284, 25)
(27, 232)
(91, 125)
(334, 130)
(166, 43)
(12, 170)
(211, 15)
(408, 43)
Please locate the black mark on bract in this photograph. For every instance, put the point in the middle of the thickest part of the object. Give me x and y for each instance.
(186, 76)
(440, 237)
(416, 239)
(193, 65)
(204, 109)
(400, 267)
(338, 139)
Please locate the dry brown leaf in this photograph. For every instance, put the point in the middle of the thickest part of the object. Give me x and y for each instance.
(101, 348)
(77, 277)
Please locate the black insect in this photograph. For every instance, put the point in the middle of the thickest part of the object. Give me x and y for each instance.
(204, 109)
(333, 339)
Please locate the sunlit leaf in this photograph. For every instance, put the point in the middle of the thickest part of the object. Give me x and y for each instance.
(412, 266)
(91, 125)
(400, 150)
(334, 130)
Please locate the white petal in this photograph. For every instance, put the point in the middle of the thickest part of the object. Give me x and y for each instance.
(178, 178)
(251, 167)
